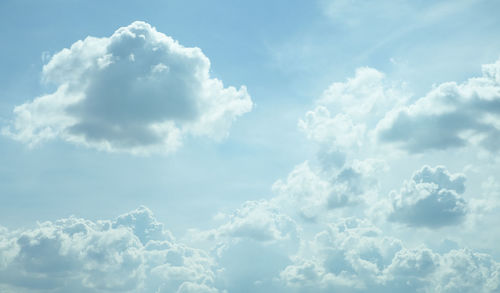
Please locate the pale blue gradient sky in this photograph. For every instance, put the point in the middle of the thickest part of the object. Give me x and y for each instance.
(286, 53)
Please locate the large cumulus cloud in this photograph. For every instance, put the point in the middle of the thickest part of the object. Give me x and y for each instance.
(432, 198)
(450, 116)
(130, 254)
(354, 256)
(136, 91)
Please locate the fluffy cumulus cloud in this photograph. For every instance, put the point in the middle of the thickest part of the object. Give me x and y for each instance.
(450, 116)
(431, 198)
(309, 192)
(353, 256)
(347, 111)
(252, 246)
(259, 221)
(130, 254)
(134, 253)
(350, 114)
(136, 91)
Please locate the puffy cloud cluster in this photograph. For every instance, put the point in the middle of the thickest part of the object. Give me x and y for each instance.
(450, 116)
(366, 106)
(137, 91)
(353, 256)
(432, 198)
(348, 111)
(310, 192)
(131, 254)
(252, 246)
(259, 221)
(134, 253)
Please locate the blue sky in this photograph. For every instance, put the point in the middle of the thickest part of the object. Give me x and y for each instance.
(230, 146)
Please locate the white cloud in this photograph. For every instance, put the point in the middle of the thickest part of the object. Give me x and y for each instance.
(259, 221)
(339, 130)
(253, 246)
(308, 193)
(368, 92)
(450, 116)
(77, 255)
(129, 254)
(354, 256)
(466, 271)
(304, 190)
(346, 115)
(430, 199)
(136, 91)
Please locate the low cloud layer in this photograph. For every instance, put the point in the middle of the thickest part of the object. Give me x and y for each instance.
(136, 91)
(130, 254)
(135, 253)
(353, 256)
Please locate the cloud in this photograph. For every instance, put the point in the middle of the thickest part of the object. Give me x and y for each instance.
(134, 253)
(432, 199)
(345, 116)
(339, 130)
(466, 271)
(137, 91)
(308, 193)
(354, 256)
(348, 256)
(78, 255)
(259, 221)
(252, 246)
(449, 116)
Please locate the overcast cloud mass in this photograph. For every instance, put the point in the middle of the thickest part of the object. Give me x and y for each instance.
(134, 158)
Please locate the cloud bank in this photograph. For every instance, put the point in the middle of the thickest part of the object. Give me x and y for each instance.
(134, 253)
(137, 91)
(130, 254)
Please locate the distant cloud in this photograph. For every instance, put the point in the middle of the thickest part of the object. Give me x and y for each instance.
(309, 192)
(259, 221)
(354, 256)
(138, 91)
(450, 116)
(350, 114)
(430, 199)
(134, 253)
(347, 111)
(77, 255)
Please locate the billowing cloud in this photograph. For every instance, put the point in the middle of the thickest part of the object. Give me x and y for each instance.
(134, 253)
(353, 256)
(308, 193)
(252, 246)
(450, 116)
(131, 254)
(432, 198)
(346, 111)
(136, 91)
(259, 221)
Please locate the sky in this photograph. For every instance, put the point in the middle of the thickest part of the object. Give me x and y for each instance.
(249, 146)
